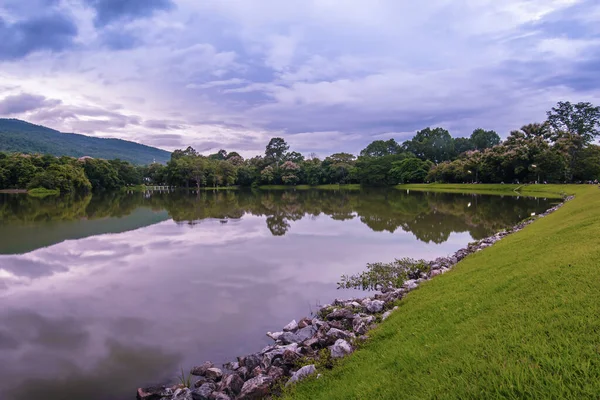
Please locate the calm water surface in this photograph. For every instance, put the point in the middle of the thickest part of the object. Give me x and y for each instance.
(103, 294)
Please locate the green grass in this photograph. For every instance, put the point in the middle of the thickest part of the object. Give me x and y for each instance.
(42, 192)
(520, 319)
(550, 191)
(308, 187)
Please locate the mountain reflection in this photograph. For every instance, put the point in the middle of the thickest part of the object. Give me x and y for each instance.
(29, 223)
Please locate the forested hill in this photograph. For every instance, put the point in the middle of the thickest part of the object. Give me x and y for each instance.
(23, 137)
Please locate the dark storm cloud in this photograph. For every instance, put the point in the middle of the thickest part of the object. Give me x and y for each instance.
(53, 32)
(108, 11)
(582, 76)
(162, 124)
(24, 102)
(117, 39)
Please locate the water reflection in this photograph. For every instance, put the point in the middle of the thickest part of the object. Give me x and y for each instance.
(117, 291)
(28, 223)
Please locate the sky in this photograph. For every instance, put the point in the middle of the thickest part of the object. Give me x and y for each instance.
(326, 75)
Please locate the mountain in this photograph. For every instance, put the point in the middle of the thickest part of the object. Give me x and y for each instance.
(23, 137)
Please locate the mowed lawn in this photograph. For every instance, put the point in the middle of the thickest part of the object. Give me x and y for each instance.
(518, 320)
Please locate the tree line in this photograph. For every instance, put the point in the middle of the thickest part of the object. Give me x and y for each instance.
(66, 174)
(560, 149)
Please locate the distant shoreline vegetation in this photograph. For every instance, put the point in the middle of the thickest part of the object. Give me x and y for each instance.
(559, 150)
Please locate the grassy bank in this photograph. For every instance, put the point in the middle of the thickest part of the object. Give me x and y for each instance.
(552, 191)
(308, 187)
(520, 319)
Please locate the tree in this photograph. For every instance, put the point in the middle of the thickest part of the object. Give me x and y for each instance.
(482, 139)
(289, 173)
(198, 168)
(410, 170)
(276, 150)
(267, 175)
(220, 155)
(337, 167)
(462, 145)
(573, 127)
(431, 144)
(101, 174)
(380, 148)
(313, 171)
(294, 156)
(536, 130)
(581, 120)
(189, 152)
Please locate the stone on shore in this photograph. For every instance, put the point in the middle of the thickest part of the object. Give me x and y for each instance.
(153, 393)
(214, 374)
(256, 388)
(373, 306)
(340, 348)
(204, 392)
(274, 335)
(232, 385)
(201, 370)
(302, 373)
(291, 327)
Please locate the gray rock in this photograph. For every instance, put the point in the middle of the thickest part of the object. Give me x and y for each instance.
(304, 322)
(360, 327)
(338, 334)
(204, 392)
(302, 373)
(317, 322)
(201, 370)
(214, 374)
(243, 372)
(436, 272)
(300, 336)
(291, 327)
(221, 396)
(288, 338)
(232, 366)
(232, 385)
(410, 284)
(374, 306)
(182, 394)
(274, 335)
(340, 348)
(251, 361)
(386, 315)
(342, 313)
(275, 373)
(306, 333)
(201, 382)
(153, 392)
(256, 388)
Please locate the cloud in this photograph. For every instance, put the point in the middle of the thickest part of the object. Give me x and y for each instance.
(238, 73)
(117, 39)
(108, 11)
(25, 102)
(53, 32)
(217, 83)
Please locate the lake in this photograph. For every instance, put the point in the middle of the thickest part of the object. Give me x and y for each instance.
(103, 294)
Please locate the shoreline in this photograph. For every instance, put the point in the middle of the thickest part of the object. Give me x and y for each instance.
(304, 348)
(13, 191)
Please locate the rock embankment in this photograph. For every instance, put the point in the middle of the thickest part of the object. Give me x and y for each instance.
(333, 333)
